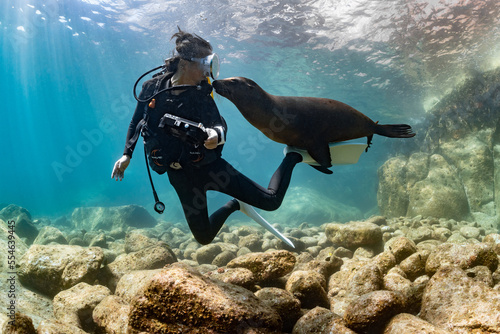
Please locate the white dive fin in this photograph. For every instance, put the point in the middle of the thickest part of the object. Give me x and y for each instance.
(340, 153)
(250, 212)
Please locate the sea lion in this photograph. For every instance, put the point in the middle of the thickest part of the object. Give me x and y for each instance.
(308, 123)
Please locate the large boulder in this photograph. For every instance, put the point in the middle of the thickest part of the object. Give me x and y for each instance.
(425, 184)
(181, 300)
(392, 194)
(454, 301)
(50, 269)
(112, 219)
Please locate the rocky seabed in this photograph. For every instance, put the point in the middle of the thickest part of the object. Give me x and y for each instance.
(398, 275)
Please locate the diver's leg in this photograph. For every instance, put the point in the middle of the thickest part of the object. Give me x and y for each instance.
(191, 189)
(246, 190)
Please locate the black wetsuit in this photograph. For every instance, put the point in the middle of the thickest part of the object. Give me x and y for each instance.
(196, 177)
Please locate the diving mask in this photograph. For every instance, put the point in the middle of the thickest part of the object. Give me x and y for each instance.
(209, 65)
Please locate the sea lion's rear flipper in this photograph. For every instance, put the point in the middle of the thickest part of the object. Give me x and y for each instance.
(322, 169)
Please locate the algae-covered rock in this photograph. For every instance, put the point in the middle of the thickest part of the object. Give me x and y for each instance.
(320, 320)
(75, 305)
(265, 266)
(455, 302)
(354, 234)
(283, 302)
(181, 300)
(111, 315)
(154, 257)
(237, 276)
(401, 247)
(461, 255)
(309, 287)
(408, 323)
(113, 218)
(370, 312)
(50, 269)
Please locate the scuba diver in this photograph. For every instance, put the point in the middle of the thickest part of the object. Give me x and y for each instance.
(184, 135)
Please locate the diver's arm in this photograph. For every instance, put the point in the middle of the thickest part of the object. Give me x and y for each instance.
(132, 128)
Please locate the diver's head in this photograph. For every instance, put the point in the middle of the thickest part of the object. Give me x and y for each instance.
(194, 55)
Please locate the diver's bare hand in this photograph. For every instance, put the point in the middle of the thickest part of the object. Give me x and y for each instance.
(120, 167)
(213, 139)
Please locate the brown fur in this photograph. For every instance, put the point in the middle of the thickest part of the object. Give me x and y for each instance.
(305, 122)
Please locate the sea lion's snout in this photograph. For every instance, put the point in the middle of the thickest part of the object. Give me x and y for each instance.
(220, 87)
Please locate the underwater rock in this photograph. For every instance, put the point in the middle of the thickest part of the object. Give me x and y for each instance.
(354, 234)
(50, 269)
(370, 312)
(206, 254)
(50, 234)
(180, 299)
(401, 247)
(22, 325)
(266, 266)
(481, 274)
(366, 279)
(473, 159)
(324, 267)
(414, 265)
(12, 211)
(392, 195)
(494, 240)
(24, 227)
(384, 261)
(135, 241)
(223, 258)
(252, 242)
(75, 305)
(464, 256)
(455, 302)
(133, 283)
(408, 323)
(320, 320)
(6, 234)
(154, 257)
(237, 276)
(308, 287)
(111, 315)
(113, 218)
(283, 302)
(56, 327)
(470, 232)
(440, 194)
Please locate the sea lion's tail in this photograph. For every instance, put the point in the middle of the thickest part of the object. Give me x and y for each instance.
(394, 130)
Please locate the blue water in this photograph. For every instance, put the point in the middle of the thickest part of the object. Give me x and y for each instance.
(67, 71)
